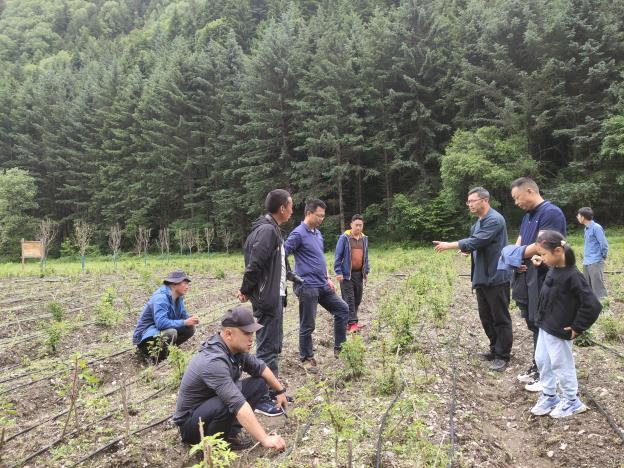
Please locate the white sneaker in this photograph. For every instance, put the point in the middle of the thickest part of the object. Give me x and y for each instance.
(534, 386)
(528, 376)
(567, 408)
(545, 404)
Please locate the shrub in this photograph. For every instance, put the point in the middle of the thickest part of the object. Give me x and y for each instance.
(220, 453)
(612, 328)
(352, 353)
(53, 332)
(56, 310)
(179, 361)
(106, 314)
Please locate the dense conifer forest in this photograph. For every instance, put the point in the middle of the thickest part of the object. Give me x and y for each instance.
(185, 113)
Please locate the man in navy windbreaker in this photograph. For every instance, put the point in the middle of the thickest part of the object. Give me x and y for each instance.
(165, 316)
(351, 268)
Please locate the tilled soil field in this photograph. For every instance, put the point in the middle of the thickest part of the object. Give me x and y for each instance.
(446, 407)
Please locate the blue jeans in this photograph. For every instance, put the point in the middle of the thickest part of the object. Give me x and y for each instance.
(309, 298)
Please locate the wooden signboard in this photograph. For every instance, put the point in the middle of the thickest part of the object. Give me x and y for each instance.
(31, 249)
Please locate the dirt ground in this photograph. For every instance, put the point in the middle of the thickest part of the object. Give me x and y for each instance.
(493, 425)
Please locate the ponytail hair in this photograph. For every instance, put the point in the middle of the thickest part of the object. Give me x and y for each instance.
(550, 240)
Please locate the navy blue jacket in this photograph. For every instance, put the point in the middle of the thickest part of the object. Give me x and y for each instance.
(487, 238)
(342, 257)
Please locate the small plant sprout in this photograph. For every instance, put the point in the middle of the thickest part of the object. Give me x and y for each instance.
(56, 310)
(179, 361)
(352, 353)
(106, 315)
(216, 451)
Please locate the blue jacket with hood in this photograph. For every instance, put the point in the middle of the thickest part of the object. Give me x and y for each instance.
(342, 257)
(160, 313)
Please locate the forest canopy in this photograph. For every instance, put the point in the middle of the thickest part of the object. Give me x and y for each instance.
(185, 113)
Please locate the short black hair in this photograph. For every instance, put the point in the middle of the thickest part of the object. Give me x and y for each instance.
(481, 192)
(355, 217)
(525, 182)
(586, 212)
(313, 204)
(275, 199)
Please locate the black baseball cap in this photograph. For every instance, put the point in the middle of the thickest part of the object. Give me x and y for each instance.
(240, 317)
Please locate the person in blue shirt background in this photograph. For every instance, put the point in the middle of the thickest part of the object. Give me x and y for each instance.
(305, 242)
(165, 316)
(595, 252)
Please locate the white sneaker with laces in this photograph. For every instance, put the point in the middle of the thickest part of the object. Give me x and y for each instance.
(528, 376)
(567, 408)
(534, 386)
(545, 404)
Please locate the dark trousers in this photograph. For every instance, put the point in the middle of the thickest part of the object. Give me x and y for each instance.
(493, 302)
(351, 291)
(309, 298)
(524, 311)
(215, 415)
(269, 338)
(175, 336)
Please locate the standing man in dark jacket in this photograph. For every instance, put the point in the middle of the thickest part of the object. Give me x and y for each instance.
(264, 283)
(487, 238)
(351, 268)
(540, 215)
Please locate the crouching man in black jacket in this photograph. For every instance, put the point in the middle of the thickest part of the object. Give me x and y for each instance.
(264, 283)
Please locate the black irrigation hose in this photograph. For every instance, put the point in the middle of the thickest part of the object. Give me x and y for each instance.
(78, 430)
(383, 423)
(605, 413)
(607, 348)
(119, 439)
(103, 358)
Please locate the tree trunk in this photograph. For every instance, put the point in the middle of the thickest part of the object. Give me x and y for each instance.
(340, 189)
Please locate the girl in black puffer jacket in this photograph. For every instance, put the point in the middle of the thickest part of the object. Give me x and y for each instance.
(567, 307)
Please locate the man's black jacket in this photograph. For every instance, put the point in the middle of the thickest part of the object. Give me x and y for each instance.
(566, 300)
(263, 264)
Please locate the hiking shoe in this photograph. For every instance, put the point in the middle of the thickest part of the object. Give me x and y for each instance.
(545, 404)
(239, 441)
(498, 365)
(528, 376)
(567, 408)
(269, 409)
(309, 365)
(535, 385)
(489, 356)
(352, 327)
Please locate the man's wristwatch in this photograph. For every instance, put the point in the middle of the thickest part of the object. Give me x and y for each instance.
(279, 392)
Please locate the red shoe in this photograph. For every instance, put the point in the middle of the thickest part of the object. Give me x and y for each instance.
(358, 327)
(352, 327)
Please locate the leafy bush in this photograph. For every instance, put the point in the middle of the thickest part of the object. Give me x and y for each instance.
(220, 453)
(56, 310)
(352, 353)
(106, 314)
(612, 327)
(53, 333)
(179, 361)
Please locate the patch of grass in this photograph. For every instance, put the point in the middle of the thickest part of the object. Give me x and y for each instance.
(612, 327)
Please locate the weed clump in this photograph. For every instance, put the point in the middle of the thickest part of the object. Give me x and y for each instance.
(56, 310)
(106, 315)
(352, 353)
(179, 361)
(612, 328)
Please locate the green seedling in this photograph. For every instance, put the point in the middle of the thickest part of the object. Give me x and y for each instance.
(106, 315)
(56, 310)
(216, 451)
(352, 353)
(179, 361)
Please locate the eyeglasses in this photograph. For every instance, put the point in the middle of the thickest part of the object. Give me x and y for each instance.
(470, 202)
